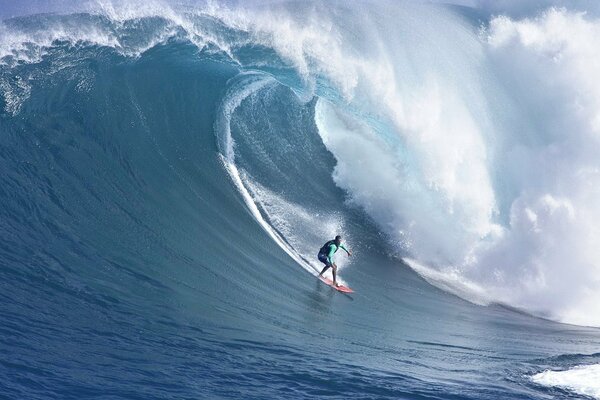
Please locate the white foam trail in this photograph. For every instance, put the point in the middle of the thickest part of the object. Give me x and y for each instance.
(583, 380)
(240, 88)
(239, 183)
(302, 228)
(284, 217)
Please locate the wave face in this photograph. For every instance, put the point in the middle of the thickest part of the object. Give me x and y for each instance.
(168, 175)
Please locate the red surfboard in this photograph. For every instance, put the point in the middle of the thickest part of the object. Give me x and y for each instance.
(341, 288)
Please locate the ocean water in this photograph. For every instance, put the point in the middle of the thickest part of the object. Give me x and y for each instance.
(168, 173)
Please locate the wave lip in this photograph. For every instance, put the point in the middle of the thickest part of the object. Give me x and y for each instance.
(583, 379)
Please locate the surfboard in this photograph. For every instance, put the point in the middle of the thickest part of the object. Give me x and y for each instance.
(341, 288)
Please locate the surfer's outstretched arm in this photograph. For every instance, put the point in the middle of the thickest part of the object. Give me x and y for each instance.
(346, 250)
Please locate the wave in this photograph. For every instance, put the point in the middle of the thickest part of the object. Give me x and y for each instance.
(443, 150)
(475, 165)
(170, 172)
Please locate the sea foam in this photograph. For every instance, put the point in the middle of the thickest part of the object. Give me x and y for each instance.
(584, 380)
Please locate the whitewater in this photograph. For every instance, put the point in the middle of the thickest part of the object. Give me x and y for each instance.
(169, 172)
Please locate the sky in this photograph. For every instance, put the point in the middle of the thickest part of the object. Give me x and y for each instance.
(13, 8)
(514, 8)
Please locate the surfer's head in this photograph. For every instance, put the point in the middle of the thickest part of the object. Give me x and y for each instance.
(338, 239)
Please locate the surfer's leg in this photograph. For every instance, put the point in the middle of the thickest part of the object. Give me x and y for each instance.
(325, 261)
(324, 269)
(334, 270)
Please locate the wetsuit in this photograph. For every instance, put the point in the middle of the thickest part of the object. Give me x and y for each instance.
(328, 250)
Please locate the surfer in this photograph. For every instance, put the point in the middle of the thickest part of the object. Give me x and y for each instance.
(326, 255)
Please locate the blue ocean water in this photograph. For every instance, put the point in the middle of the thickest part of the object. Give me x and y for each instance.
(133, 264)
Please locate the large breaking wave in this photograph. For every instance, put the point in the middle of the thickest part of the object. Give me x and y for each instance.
(471, 143)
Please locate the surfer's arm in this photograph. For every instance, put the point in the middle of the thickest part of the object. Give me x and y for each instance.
(346, 250)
